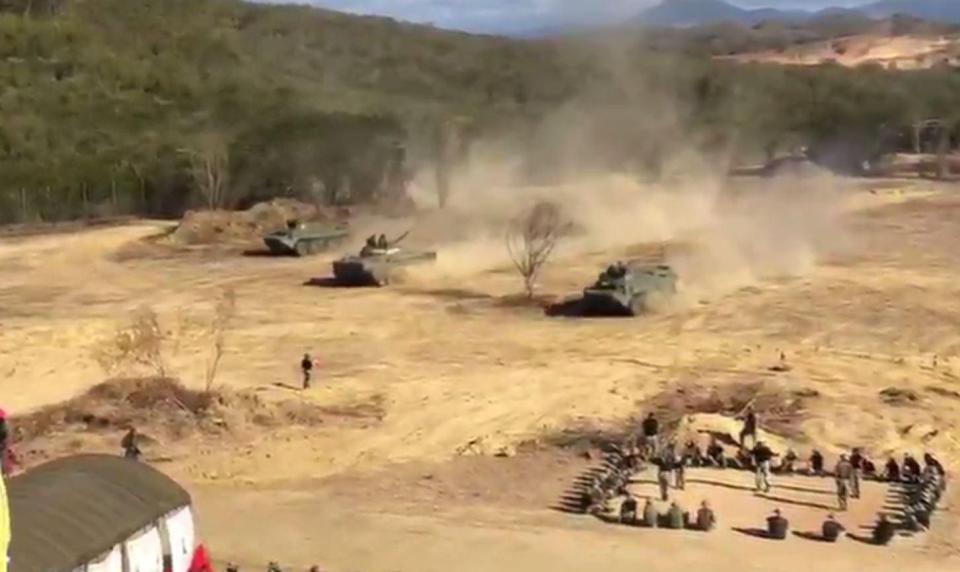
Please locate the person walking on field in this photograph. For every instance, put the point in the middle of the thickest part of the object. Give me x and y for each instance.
(651, 430)
(761, 462)
(856, 461)
(844, 474)
(306, 366)
(749, 418)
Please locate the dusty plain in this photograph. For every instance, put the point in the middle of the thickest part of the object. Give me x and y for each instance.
(424, 382)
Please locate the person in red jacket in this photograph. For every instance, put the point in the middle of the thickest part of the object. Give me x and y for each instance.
(201, 560)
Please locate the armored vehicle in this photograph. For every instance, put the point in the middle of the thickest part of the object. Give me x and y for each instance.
(378, 261)
(626, 289)
(301, 239)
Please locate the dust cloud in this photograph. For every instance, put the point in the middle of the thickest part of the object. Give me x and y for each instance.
(628, 170)
(719, 233)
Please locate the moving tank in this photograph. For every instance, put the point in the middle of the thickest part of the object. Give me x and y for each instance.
(627, 289)
(378, 261)
(302, 239)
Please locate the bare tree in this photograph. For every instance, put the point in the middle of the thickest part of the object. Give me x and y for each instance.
(224, 312)
(140, 343)
(532, 238)
(146, 343)
(210, 167)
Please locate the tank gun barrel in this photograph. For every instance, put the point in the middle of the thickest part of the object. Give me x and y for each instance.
(397, 240)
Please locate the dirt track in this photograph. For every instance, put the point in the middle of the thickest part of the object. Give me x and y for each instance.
(450, 361)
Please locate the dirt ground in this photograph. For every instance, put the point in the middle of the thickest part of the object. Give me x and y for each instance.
(897, 52)
(450, 371)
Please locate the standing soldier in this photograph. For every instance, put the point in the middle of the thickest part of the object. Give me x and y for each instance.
(306, 366)
(844, 474)
(856, 461)
(749, 426)
(131, 447)
(665, 468)
(761, 462)
(651, 428)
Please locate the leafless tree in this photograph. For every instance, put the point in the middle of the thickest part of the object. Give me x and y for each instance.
(210, 166)
(223, 315)
(140, 343)
(532, 238)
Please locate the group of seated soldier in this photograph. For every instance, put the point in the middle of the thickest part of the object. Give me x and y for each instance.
(923, 495)
(675, 517)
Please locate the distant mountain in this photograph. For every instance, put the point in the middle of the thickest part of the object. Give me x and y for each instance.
(689, 13)
(934, 10)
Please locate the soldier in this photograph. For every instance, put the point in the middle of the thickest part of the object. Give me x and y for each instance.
(649, 514)
(129, 443)
(676, 519)
(883, 531)
(706, 519)
(892, 471)
(911, 468)
(749, 426)
(816, 463)
(932, 464)
(628, 510)
(777, 526)
(856, 461)
(844, 474)
(680, 469)
(789, 461)
(665, 473)
(306, 366)
(691, 454)
(651, 430)
(715, 455)
(598, 499)
(372, 241)
(831, 529)
(382, 242)
(761, 461)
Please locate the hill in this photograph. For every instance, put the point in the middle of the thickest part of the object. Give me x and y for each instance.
(114, 107)
(686, 13)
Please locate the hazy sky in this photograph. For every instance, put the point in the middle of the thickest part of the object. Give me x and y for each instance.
(515, 15)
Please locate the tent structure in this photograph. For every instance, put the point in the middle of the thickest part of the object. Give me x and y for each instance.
(98, 512)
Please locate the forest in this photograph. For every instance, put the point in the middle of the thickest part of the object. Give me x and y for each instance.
(153, 107)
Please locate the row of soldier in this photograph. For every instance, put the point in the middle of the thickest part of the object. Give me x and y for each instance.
(621, 465)
(848, 472)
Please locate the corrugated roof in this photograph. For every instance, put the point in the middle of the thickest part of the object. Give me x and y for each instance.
(69, 511)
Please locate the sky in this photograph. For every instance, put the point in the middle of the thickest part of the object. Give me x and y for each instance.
(511, 16)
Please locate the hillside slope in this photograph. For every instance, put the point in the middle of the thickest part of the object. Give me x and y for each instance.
(115, 107)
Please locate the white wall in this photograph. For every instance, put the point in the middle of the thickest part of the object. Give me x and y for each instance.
(110, 562)
(145, 552)
(180, 530)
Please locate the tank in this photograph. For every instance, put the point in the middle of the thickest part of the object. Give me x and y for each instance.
(302, 239)
(378, 262)
(627, 289)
